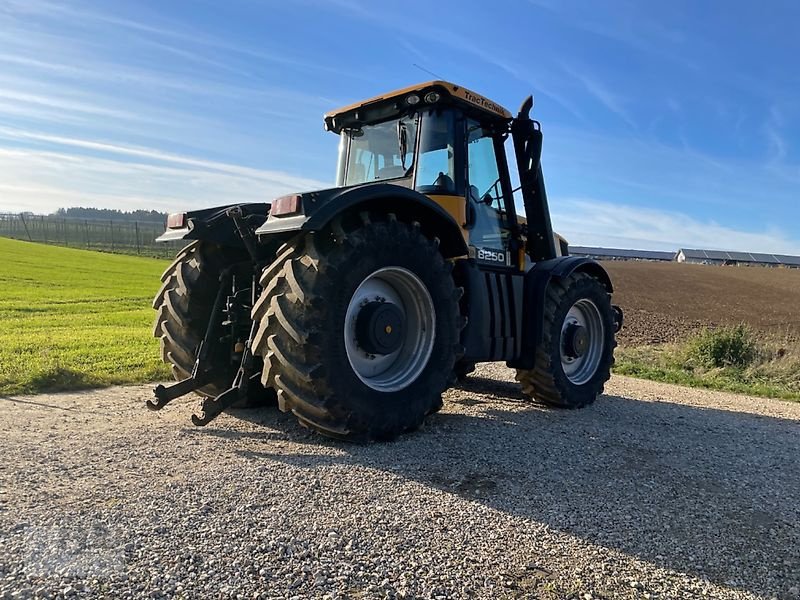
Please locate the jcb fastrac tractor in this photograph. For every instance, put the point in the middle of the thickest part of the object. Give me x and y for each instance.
(357, 306)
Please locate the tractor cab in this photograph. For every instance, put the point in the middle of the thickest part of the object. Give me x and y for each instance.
(447, 143)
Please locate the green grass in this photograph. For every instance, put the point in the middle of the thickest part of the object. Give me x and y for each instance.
(73, 319)
(733, 359)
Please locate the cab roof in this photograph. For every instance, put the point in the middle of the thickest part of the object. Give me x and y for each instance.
(449, 93)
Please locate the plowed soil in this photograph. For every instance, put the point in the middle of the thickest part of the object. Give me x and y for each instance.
(667, 302)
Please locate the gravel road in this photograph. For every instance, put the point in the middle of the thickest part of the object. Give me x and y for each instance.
(654, 492)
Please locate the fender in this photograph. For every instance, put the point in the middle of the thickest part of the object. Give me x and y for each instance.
(214, 225)
(534, 293)
(319, 208)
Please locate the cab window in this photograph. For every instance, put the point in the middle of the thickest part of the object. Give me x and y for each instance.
(373, 152)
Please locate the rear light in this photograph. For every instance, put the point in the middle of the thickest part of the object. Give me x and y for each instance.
(176, 221)
(287, 205)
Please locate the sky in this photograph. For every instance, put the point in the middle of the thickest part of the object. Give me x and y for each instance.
(666, 124)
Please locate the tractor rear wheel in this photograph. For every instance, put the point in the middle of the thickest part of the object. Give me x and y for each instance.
(575, 356)
(359, 327)
(184, 305)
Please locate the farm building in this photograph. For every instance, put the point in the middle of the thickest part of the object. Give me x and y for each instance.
(620, 254)
(719, 257)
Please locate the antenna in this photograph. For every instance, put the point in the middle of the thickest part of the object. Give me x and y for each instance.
(429, 72)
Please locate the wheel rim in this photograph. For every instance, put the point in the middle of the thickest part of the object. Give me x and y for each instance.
(582, 341)
(398, 369)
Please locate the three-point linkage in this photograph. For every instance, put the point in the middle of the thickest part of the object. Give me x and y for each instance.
(231, 314)
(201, 372)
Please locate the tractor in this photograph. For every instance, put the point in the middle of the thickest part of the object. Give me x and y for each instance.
(356, 307)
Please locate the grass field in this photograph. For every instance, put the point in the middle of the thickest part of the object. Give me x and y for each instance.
(72, 319)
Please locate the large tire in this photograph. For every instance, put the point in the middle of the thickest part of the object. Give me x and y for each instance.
(559, 378)
(303, 314)
(184, 305)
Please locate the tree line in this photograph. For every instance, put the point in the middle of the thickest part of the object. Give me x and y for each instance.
(80, 212)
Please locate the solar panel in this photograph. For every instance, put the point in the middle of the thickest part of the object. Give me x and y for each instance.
(767, 259)
(688, 253)
(785, 259)
(622, 253)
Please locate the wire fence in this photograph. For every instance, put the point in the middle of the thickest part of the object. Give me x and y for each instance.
(121, 237)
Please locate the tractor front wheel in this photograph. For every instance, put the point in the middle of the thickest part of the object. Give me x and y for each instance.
(575, 356)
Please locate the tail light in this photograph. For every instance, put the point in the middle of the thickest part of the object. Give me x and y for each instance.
(287, 205)
(176, 221)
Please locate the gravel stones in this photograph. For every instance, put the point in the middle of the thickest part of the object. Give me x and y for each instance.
(653, 492)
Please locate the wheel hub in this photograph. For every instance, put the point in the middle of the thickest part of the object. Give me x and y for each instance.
(582, 341)
(576, 340)
(389, 329)
(380, 327)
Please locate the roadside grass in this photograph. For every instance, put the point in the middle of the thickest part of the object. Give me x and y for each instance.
(734, 359)
(74, 319)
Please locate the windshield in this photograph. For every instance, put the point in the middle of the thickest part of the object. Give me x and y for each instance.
(377, 152)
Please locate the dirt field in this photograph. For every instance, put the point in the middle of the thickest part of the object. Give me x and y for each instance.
(653, 492)
(664, 302)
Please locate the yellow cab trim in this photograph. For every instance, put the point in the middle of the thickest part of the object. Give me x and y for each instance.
(456, 207)
(454, 90)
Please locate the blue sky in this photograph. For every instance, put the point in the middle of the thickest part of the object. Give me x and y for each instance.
(666, 124)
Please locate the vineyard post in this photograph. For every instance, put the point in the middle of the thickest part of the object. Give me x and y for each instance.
(136, 225)
(86, 231)
(111, 222)
(25, 225)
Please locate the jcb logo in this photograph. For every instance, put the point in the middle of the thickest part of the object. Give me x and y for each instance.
(491, 255)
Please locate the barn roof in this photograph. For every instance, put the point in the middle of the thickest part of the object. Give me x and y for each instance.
(622, 253)
(742, 257)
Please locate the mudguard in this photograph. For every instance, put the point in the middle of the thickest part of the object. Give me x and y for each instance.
(534, 293)
(319, 208)
(214, 225)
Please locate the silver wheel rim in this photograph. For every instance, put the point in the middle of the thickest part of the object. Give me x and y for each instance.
(583, 313)
(398, 370)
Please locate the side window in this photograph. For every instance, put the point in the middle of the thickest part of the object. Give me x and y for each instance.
(484, 192)
(433, 166)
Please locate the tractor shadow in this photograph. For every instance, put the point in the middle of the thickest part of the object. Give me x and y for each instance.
(692, 489)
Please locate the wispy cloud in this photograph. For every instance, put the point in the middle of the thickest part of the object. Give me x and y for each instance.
(43, 180)
(589, 222)
(154, 155)
(600, 92)
(177, 38)
(66, 105)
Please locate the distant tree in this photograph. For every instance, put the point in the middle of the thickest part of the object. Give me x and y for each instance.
(80, 212)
